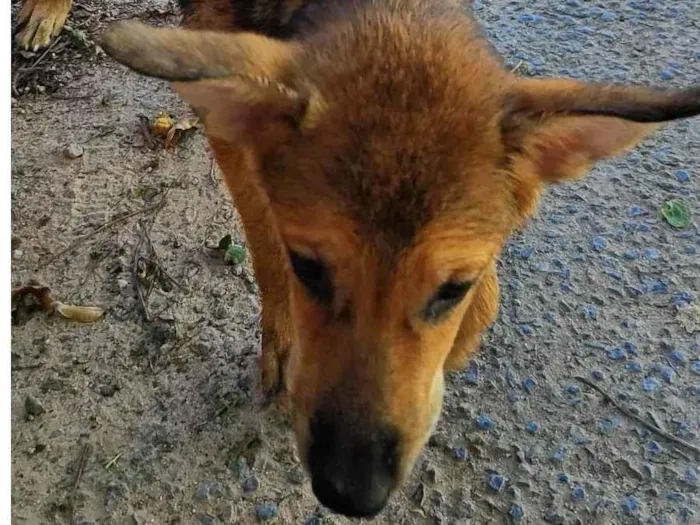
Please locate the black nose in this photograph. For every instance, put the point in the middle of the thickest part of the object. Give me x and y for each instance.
(353, 468)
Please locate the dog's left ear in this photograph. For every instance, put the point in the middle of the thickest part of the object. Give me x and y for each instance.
(555, 130)
(247, 88)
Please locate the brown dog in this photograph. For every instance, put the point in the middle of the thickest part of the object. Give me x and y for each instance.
(379, 156)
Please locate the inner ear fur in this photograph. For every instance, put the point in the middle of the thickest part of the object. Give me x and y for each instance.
(557, 129)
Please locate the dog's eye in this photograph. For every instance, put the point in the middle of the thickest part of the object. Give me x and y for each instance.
(447, 296)
(313, 274)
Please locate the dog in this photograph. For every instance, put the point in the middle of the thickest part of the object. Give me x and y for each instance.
(380, 156)
(39, 21)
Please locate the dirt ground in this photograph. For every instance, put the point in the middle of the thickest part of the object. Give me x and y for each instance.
(149, 416)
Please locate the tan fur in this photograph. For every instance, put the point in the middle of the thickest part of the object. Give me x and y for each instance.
(387, 141)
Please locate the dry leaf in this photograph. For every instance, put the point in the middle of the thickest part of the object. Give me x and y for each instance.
(42, 294)
(82, 314)
(162, 124)
(180, 126)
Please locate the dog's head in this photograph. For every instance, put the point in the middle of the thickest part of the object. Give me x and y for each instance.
(397, 157)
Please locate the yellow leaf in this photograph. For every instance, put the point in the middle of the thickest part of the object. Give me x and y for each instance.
(82, 314)
(162, 124)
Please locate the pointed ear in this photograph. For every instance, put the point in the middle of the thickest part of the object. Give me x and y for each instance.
(231, 80)
(556, 130)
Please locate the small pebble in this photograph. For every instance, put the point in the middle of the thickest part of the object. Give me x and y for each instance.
(562, 477)
(460, 453)
(598, 375)
(73, 151)
(32, 406)
(17, 254)
(251, 484)
(606, 426)
(207, 519)
(266, 511)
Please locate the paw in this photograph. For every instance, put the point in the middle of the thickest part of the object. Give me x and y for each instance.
(41, 20)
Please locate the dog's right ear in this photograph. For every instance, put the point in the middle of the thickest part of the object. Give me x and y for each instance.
(233, 81)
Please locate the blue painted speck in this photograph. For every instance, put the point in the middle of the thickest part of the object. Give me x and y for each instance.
(653, 448)
(532, 427)
(686, 515)
(678, 356)
(651, 254)
(598, 375)
(484, 422)
(695, 367)
(573, 390)
(682, 175)
(666, 74)
(666, 372)
(496, 482)
(559, 455)
(633, 367)
(616, 354)
(266, 511)
(690, 477)
(529, 383)
(631, 255)
(472, 374)
(578, 494)
(630, 505)
(599, 244)
(674, 495)
(589, 312)
(526, 252)
(681, 299)
(650, 384)
(460, 453)
(516, 512)
(563, 477)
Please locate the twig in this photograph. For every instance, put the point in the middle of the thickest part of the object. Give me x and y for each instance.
(30, 366)
(112, 462)
(626, 411)
(517, 67)
(135, 270)
(212, 172)
(100, 229)
(80, 468)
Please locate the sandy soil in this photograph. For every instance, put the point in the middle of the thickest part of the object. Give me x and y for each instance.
(149, 416)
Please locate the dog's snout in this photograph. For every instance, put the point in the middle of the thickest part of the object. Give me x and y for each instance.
(353, 468)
